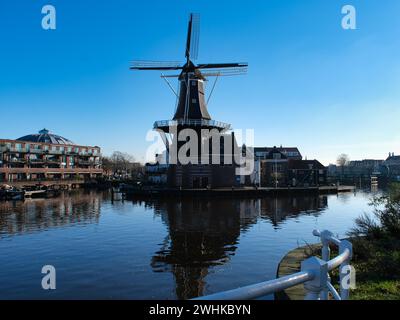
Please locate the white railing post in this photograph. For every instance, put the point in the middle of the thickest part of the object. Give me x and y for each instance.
(319, 269)
(326, 255)
(345, 270)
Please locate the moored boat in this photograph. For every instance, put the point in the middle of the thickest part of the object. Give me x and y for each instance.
(10, 193)
(40, 191)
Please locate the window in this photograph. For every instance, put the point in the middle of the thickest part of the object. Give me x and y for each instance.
(277, 156)
(194, 100)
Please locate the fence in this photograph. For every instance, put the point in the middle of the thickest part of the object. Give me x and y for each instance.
(314, 275)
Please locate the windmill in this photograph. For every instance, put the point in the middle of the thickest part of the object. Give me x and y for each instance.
(191, 110)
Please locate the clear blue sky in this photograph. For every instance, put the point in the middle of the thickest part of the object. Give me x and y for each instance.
(310, 83)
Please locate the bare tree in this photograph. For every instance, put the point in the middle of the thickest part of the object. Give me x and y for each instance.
(342, 160)
(121, 164)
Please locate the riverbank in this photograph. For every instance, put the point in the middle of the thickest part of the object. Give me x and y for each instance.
(131, 191)
(291, 263)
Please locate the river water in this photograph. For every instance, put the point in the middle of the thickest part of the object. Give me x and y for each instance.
(158, 249)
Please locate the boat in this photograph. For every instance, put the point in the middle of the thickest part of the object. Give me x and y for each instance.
(10, 193)
(40, 191)
(15, 195)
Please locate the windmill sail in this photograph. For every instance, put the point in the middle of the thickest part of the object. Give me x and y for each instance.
(192, 105)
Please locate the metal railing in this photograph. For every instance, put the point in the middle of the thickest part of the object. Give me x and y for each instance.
(37, 150)
(191, 122)
(314, 275)
(52, 151)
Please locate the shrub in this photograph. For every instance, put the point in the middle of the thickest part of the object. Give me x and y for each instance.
(386, 224)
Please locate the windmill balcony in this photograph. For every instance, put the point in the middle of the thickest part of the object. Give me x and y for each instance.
(192, 123)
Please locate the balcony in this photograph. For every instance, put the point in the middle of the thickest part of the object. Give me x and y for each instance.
(85, 153)
(36, 161)
(17, 160)
(56, 151)
(36, 150)
(53, 161)
(86, 163)
(202, 123)
(19, 150)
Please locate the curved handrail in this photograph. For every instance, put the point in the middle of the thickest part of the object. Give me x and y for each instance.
(314, 275)
(261, 289)
(338, 260)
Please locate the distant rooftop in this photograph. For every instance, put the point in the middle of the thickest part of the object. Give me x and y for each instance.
(290, 152)
(45, 136)
(393, 158)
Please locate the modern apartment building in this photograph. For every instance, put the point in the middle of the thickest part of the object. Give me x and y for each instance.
(47, 157)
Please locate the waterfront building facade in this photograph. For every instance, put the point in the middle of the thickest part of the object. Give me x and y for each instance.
(47, 157)
(307, 173)
(362, 168)
(283, 167)
(391, 167)
(280, 170)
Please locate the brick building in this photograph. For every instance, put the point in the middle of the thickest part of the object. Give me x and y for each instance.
(282, 167)
(46, 156)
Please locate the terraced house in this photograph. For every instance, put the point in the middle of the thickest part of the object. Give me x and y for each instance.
(47, 157)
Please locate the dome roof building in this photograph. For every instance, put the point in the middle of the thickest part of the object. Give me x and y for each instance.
(45, 136)
(48, 159)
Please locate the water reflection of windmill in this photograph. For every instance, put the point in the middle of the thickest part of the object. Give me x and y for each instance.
(191, 109)
(201, 235)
